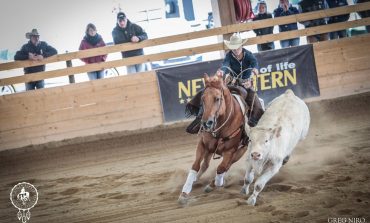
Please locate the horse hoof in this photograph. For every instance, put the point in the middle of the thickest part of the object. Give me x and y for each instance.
(244, 190)
(183, 199)
(208, 189)
(251, 201)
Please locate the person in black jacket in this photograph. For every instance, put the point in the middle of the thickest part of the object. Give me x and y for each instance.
(311, 6)
(286, 9)
(34, 50)
(338, 18)
(263, 14)
(126, 32)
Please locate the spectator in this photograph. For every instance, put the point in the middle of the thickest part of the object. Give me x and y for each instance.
(286, 9)
(263, 14)
(34, 50)
(338, 18)
(93, 40)
(364, 14)
(311, 6)
(125, 32)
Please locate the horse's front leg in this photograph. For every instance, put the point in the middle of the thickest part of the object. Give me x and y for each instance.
(205, 163)
(221, 171)
(260, 183)
(192, 175)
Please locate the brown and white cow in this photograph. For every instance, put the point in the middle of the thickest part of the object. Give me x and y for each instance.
(283, 125)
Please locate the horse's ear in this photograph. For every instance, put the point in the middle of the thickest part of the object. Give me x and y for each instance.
(219, 74)
(206, 77)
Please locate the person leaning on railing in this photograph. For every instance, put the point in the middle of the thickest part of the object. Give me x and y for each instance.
(286, 9)
(125, 32)
(338, 18)
(34, 50)
(311, 6)
(263, 14)
(364, 14)
(93, 40)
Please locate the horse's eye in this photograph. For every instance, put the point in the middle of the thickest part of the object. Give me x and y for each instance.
(217, 99)
(266, 141)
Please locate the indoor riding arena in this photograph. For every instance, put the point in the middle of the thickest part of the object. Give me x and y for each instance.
(116, 149)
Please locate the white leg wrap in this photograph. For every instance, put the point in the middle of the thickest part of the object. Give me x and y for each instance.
(192, 176)
(219, 179)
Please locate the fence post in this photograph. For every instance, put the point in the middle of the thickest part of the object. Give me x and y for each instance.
(70, 77)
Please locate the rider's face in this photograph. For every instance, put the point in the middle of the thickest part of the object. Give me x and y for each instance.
(238, 51)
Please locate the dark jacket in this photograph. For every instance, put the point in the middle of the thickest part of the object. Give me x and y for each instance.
(263, 31)
(363, 14)
(41, 49)
(249, 61)
(311, 6)
(334, 4)
(291, 11)
(124, 35)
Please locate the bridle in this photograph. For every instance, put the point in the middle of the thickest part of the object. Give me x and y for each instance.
(214, 131)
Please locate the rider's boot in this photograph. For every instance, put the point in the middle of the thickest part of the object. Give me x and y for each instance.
(194, 126)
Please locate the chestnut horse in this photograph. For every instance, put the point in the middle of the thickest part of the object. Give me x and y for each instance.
(222, 124)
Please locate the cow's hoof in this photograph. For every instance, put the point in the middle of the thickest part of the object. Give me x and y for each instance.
(244, 190)
(208, 189)
(183, 199)
(251, 200)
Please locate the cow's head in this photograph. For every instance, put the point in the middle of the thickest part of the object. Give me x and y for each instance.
(261, 141)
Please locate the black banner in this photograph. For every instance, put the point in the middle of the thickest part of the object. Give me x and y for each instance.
(290, 68)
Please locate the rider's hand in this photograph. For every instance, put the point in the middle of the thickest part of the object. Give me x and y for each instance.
(247, 84)
(255, 71)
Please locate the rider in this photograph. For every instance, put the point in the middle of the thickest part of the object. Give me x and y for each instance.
(239, 64)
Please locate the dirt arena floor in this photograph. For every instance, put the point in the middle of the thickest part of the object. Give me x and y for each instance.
(138, 178)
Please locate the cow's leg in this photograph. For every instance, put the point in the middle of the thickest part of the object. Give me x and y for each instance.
(221, 171)
(262, 180)
(192, 175)
(248, 178)
(205, 164)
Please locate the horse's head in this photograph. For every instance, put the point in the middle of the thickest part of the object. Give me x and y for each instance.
(213, 100)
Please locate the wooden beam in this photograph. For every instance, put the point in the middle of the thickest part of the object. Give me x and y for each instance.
(189, 36)
(182, 52)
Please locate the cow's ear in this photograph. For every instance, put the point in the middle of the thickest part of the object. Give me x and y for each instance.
(277, 132)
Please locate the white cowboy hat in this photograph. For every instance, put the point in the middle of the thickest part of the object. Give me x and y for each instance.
(235, 42)
(34, 32)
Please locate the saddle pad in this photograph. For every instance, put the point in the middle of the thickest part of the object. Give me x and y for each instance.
(241, 103)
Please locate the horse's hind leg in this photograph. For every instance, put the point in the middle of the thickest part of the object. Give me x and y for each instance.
(205, 164)
(221, 170)
(239, 153)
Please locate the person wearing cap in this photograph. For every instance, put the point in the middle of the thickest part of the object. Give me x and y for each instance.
(238, 63)
(93, 40)
(34, 50)
(287, 9)
(263, 14)
(125, 32)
